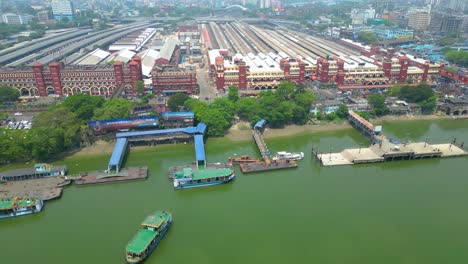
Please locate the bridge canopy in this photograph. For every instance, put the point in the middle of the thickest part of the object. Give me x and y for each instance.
(118, 154)
(199, 150)
(201, 128)
(260, 124)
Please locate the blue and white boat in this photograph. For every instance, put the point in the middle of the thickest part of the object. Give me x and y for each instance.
(190, 178)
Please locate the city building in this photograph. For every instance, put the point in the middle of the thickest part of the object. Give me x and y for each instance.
(399, 18)
(458, 5)
(56, 79)
(264, 3)
(419, 19)
(445, 22)
(14, 19)
(43, 16)
(360, 16)
(392, 32)
(170, 79)
(61, 9)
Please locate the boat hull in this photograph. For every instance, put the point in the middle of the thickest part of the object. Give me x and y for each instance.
(153, 247)
(194, 185)
(38, 208)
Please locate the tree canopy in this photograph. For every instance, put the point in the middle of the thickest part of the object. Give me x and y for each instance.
(367, 37)
(377, 101)
(83, 105)
(458, 57)
(139, 87)
(176, 101)
(8, 93)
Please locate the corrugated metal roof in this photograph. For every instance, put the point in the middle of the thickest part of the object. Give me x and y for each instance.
(94, 57)
(260, 124)
(124, 56)
(119, 152)
(199, 148)
(148, 58)
(168, 48)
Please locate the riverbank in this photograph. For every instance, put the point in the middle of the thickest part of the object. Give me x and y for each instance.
(242, 131)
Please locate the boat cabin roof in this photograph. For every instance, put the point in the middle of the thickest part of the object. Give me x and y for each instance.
(281, 152)
(141, 240)
(23, 202)
(153, 221)
(210, 173)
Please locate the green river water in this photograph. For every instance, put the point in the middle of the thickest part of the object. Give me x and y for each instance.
(396, 212)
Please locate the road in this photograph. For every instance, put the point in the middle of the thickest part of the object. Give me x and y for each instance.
(207, 87)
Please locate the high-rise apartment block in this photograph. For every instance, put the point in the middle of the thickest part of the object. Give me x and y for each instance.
(419, 19)
(61, 9)
(14, 19)
(445, 22)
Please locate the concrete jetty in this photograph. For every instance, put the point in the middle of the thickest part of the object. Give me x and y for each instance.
(384, 149)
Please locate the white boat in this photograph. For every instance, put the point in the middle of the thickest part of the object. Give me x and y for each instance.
(282, 155)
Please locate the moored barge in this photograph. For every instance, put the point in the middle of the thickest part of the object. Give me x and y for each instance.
(40, 170)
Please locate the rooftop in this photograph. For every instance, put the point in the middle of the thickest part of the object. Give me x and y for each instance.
(144, 236)
(10, 203)
(210, 173)
(141, 240)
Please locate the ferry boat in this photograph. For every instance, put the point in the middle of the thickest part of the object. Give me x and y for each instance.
(40, 170)
(283, 155)
(153, 229)
(20, 206)
(189, 178)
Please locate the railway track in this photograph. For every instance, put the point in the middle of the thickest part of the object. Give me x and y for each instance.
(68, 47)
(273, 43)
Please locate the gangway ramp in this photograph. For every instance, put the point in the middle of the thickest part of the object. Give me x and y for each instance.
(200, 151)
(258, 138)
(120, 149)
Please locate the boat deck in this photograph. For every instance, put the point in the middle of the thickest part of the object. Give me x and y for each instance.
(44, 188)
(98, 177)
(388, 151)
(174, 169)
(262, 166)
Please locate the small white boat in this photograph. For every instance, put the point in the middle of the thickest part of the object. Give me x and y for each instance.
(282, 155)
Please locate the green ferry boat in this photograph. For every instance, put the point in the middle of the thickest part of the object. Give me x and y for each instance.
(190, 178)
(153, 229)
(20, 206)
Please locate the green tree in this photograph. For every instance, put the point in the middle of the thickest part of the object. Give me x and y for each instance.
(303, 97)
(342, 111)
(457, 57)
(8, 93)
(115, 108)
(46, 142)
(299, 115)
(247, 108)
(176, 101)
(216, 122)
(225, 106)
(145, 98)
(416, 94)
(377, 101)
(83, 105)
(285, 90)
(367, 37)
(233, 94)
(139, 87)
(428, 106)
(61, 119)
(14, 145)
